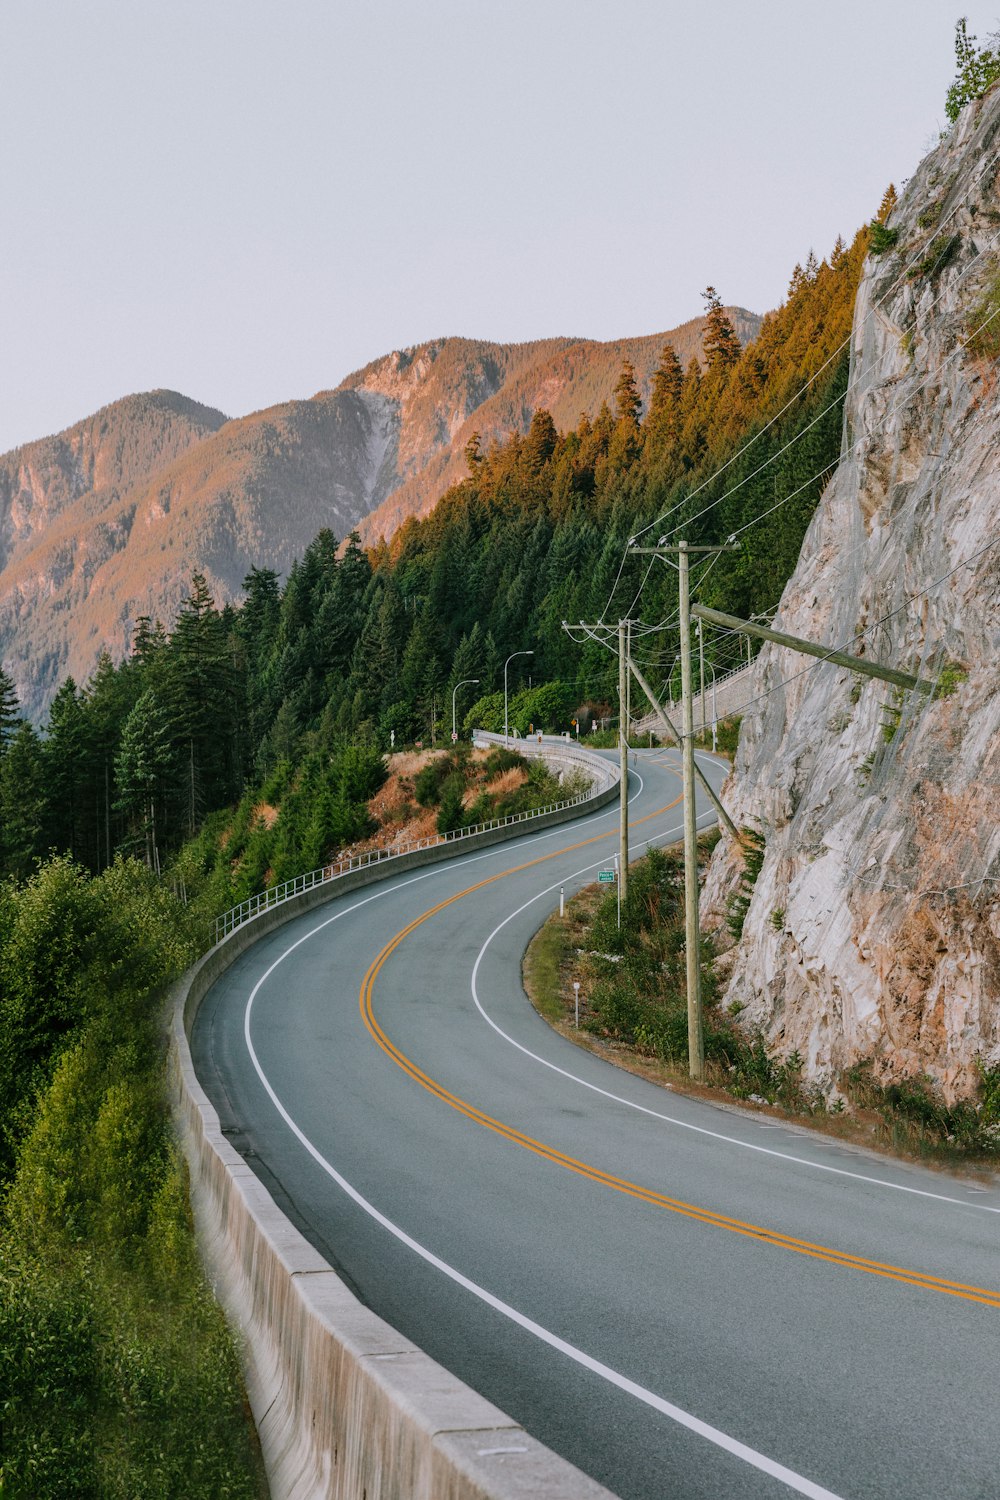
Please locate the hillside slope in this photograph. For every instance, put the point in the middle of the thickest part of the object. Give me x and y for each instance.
(874, 929)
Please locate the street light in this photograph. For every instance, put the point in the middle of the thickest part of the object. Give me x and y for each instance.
(464, 683)
(505, 666)
(715, 712)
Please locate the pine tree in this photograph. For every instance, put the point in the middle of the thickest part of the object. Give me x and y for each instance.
(64, 758)
(668, 380)
(10, 710)
(23, 803)
(144, 767)
(722, 347)
(627, 403)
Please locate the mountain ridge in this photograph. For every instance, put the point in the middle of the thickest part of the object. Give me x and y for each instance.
(107, 520)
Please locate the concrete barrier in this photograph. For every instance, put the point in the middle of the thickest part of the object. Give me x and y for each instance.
(345, 1407)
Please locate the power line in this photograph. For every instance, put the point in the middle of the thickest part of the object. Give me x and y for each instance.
(904, 271)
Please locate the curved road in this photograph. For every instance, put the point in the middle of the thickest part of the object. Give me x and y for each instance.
(684, 1300)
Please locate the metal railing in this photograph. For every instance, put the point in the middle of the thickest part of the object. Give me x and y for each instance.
(254, 906)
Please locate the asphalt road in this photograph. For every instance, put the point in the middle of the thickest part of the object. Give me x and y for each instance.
(684, 1300)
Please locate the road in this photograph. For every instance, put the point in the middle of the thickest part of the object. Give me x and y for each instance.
(683, 1299)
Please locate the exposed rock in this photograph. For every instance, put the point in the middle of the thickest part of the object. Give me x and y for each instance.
(874, 928)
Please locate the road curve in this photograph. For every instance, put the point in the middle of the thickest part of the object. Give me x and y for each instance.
(681, 1299)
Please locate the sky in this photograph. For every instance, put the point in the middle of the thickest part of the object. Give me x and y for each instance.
(245, 201)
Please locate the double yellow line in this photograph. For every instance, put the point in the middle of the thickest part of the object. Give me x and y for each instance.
(607, 1179)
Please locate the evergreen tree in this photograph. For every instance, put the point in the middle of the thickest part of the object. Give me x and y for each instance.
(722, 347)
(144, 767)
(10, 710)
(23, 803)
(627, 403)
(65, 761)
(668, 380)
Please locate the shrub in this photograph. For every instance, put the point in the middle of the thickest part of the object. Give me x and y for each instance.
(982, 325)
(753, 860)
(978, 70)
(880, 238)
(940, 252)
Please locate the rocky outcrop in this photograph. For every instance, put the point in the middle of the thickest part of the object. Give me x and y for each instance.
(874, 926)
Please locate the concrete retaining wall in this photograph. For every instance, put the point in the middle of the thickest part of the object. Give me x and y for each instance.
(345, 1407)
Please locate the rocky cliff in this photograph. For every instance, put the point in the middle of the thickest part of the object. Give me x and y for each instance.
(874, 926)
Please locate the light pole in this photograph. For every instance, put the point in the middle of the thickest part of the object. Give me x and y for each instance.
(466, 681)
(505, 666)
(715, 715)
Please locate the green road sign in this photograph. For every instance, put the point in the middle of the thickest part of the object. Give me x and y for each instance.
(605, 877)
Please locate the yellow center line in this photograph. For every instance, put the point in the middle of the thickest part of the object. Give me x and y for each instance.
(607, 1179)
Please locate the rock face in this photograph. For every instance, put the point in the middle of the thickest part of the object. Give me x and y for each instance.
(108, 520)
(874, 926)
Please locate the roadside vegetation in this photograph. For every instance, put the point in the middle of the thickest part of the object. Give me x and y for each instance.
(633, 1009)
(118, 1375)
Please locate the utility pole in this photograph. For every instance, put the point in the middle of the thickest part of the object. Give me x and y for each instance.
(692, 934)
(628, 680)
(701, 658)
(622, 761)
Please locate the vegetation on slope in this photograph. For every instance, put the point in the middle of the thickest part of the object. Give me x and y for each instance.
(633, 1000)
(118, 1376)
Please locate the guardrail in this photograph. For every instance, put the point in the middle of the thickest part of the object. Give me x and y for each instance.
(275, 895)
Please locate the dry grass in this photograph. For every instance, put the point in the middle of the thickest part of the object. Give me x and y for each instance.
(265, 815)
(507, 781)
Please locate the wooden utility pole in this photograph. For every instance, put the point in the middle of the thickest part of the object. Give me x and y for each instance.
(692, 933)
(622, 762)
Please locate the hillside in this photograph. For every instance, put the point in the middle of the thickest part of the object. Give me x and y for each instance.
(107, 521)
(565, 377)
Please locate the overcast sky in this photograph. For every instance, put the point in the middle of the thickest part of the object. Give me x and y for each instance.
(245, 200)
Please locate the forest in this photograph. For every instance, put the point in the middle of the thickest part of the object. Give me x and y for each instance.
(359, 650)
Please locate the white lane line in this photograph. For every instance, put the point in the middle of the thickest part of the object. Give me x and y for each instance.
(817, 1166)
(731, 1445)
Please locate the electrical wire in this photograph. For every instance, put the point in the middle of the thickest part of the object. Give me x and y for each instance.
(904, 271)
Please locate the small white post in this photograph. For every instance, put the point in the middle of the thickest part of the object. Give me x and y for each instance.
(576, 1002)
(562, 902)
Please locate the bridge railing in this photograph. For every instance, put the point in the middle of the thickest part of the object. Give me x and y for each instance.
(275, 895)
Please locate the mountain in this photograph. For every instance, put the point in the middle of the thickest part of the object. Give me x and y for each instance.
(108, 520)
(873, 935)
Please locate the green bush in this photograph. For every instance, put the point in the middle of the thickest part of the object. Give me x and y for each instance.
(753, 860)
(118, 1376)
(881, 238)
(978, 70)
(940, 253)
